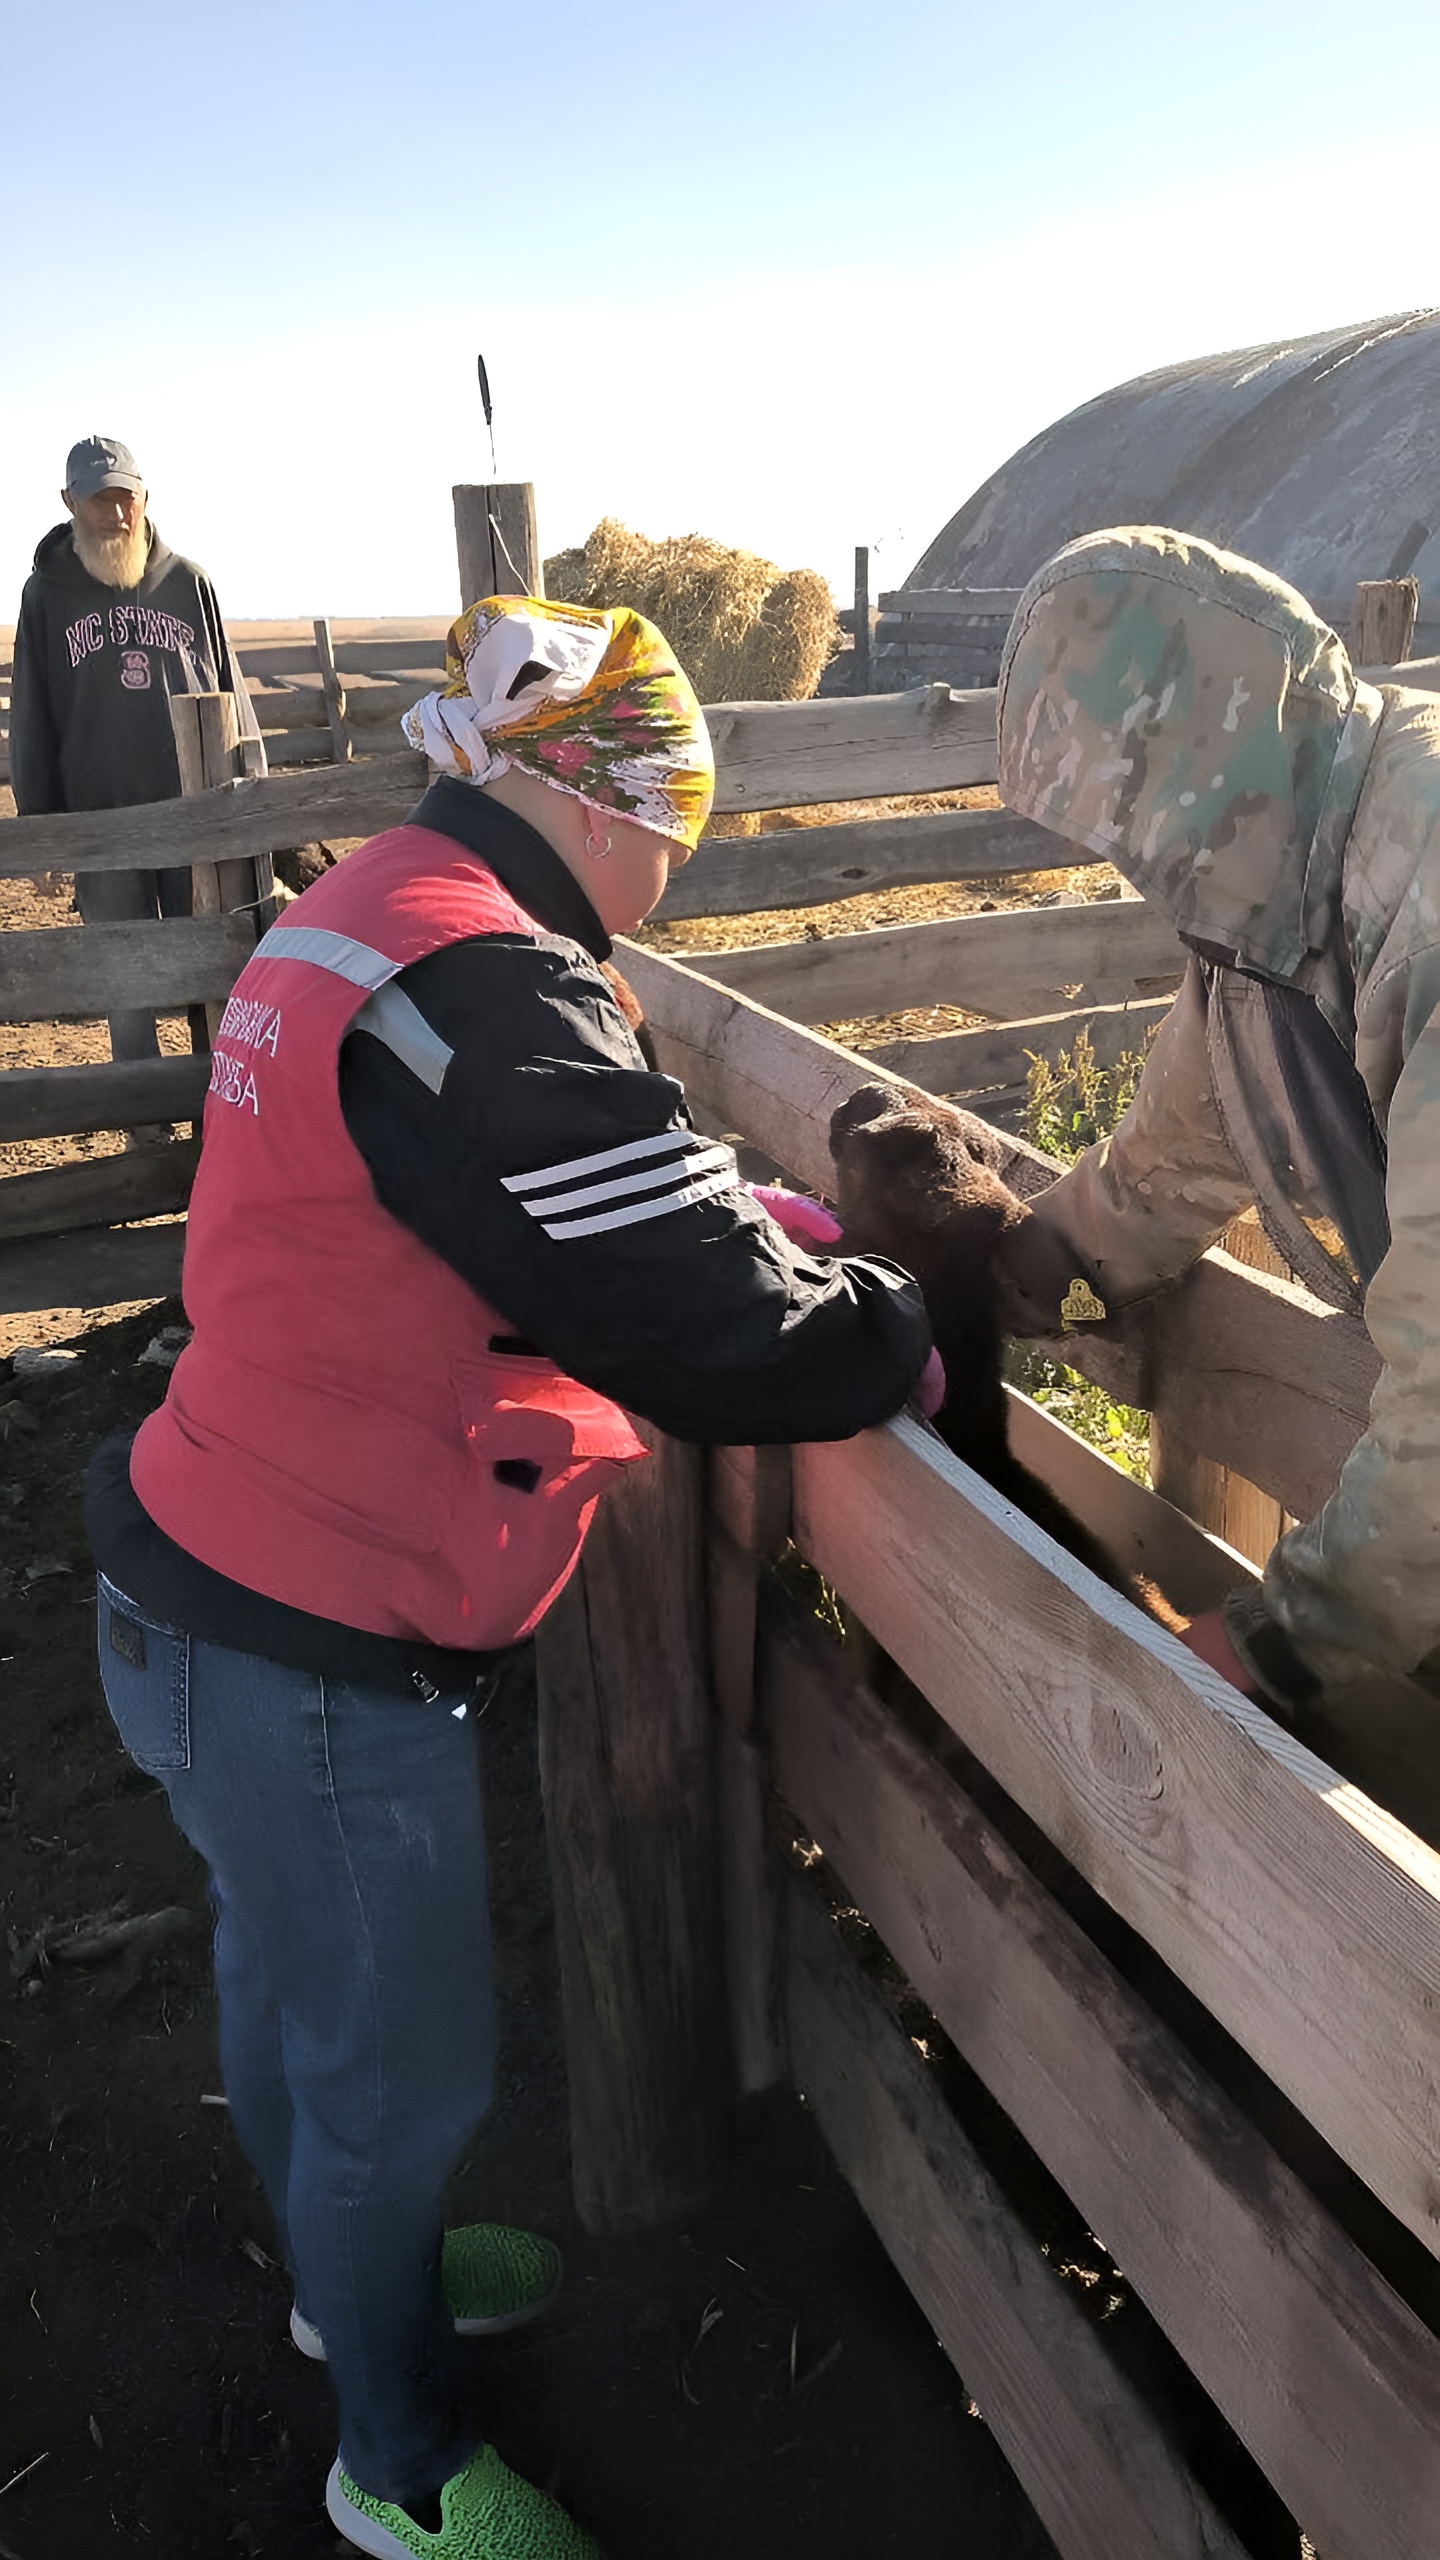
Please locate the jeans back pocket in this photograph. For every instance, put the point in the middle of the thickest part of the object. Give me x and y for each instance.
(145, 1673)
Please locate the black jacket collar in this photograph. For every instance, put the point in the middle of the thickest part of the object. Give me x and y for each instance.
(519, 857)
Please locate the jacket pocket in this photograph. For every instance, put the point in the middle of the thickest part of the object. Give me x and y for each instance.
(145, 1673)
(525, 1419)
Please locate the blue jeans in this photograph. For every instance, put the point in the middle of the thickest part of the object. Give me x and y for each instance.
(342, 1829)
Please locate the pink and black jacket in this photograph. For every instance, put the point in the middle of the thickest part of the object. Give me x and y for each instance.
(447, 1222)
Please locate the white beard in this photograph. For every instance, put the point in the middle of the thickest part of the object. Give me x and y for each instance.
(116, 559)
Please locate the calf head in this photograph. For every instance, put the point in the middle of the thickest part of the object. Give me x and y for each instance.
(918, 1180)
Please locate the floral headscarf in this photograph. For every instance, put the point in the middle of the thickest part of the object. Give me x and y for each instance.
(591, 702)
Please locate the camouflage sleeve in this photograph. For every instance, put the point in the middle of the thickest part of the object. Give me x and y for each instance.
(1144, 1204)
(1363, 1578)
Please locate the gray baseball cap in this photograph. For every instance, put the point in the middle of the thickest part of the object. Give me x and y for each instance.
(98, 462)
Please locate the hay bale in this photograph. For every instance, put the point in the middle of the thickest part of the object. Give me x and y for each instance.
(743, 630)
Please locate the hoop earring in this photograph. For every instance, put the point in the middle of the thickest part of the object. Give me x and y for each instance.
(593, 846)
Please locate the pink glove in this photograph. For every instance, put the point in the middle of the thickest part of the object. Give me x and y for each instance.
(804, 1221)
(928, 1393)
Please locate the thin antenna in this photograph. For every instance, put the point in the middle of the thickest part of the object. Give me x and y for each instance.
(503, 547)
(486, 405)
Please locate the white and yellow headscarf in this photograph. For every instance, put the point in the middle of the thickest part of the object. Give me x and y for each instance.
(593, 703)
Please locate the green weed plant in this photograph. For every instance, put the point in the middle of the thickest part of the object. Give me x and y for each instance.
(1068, 1105)
(1072, 1103)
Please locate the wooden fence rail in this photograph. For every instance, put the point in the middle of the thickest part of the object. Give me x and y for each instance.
(1015, 962)
(287, 671)
(746, 875)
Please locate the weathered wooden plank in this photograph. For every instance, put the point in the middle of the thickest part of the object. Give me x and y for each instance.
(772, 755)
(98, 1190)
(496, 543)
(369, 705)
(250, 818)
(626, 1762)
(750, 1498)
(60, 1102)
(94, 1267)
(334, 692)
(1281, 1396)
(769, 1078)
(265, 661)
(781, 755)
(299, 706)
(1000, 1053)
(756, 1073)
(810, 866)
(1276, 1388)
(861, 621)
(1219, 1498)
(749, 1878)
(1382, 621)
(1303, 1916)
(393, 626)
(1024, 960)
(946, 603)
(1325, 2374)
(1084, 2448)
(291, 749)
(102, 968)
(1143, 1532)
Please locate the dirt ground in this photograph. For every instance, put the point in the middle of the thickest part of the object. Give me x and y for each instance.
(759, 2383)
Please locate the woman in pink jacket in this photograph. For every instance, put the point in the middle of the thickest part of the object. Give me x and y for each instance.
(448, 1225)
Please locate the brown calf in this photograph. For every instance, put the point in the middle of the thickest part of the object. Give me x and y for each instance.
(917, 1182)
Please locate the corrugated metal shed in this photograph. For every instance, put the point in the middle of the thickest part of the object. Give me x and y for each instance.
(1318, 456)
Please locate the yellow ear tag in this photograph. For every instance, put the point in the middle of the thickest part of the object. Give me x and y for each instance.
(1081, 1306)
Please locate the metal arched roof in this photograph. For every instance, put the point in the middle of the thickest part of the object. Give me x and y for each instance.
(1319, 457)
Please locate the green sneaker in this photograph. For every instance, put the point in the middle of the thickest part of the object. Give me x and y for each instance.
(495, 2279)
(486, 2513)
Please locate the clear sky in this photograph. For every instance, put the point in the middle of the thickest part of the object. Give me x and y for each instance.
(795, 275)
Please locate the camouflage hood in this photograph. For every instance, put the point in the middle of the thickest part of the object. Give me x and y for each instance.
(1185, 714)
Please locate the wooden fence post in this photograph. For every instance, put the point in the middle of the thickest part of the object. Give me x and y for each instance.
(1215, 1497)
(750, 1520)
(863, 654)
(1382, 621)
(496, 541)
(207, 741)
(627, 1767)
(340, 738)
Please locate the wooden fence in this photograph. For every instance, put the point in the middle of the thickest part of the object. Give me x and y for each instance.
(1038, 973)
(1302, 1922)
(1241, 2092)
(62, 1240)
(324, 692)
(955, 635)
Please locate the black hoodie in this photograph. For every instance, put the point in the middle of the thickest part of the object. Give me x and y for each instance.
(95, 667)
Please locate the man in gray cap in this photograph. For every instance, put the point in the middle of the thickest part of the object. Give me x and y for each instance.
(112, 622)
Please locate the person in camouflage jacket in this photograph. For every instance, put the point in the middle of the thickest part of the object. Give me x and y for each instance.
(1185, 714)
